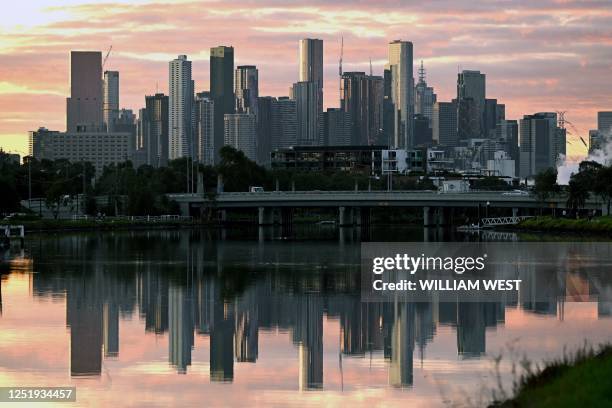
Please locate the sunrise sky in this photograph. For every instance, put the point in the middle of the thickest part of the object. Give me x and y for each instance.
(538, 55)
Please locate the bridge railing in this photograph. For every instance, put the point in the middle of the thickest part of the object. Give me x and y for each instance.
(504, 220)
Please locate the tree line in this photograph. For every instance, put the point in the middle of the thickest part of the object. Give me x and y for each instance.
(143, 190)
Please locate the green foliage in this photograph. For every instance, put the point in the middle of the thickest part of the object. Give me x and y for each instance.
(579, 379)
(239, 173)
(546, 184)
(491, 184)
(552, 224)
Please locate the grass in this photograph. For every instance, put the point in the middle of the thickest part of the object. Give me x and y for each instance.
(579, 379)
(551, 224)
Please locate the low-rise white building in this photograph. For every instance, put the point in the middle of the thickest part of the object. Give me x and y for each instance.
(99, 148)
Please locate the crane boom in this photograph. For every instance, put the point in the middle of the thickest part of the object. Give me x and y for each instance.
(106, 57)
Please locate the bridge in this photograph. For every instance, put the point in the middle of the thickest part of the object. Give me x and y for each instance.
(354, 206)
(491, 222)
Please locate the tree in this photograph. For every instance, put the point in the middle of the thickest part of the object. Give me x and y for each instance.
(546, 184)
(238, 171)
(603, 185)
(580, 184)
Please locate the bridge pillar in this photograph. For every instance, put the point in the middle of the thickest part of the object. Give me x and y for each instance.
(426, 216)
(265, 216)
(219, 183)
(342, 217)
(184, 206)
(286, 216)
(222, 215)
(515, 212)
(441, 216)
(356, 216)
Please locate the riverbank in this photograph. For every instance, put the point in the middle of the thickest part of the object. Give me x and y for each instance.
(602, 225)
(49, 225)
(580, 380)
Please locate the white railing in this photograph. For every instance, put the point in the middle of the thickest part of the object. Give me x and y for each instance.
(503, 220)
(135, 218)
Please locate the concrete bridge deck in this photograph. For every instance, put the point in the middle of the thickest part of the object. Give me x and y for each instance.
(347, 201)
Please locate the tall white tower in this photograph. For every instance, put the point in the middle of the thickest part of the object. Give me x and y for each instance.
(402, 92)
(180, 108)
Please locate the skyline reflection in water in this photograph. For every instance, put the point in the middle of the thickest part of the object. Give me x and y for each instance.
(182, 317)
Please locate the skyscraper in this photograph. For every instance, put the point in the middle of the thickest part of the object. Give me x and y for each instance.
(540, 143)
(444, 126)
(362, 98)
(311, 61)
(494, 113)
(308, 92)
(471, 91)
(84, 106)
(265, 109)
(424, 97)
(604, 122)
(221, 90)
(337, 127)
(246, 89)
(240, 133)
(205, 129)
(180, 108)
(307, 100)
(153, 130)
(284, 123)
(401, 92)
(111, 99)
(507, 130)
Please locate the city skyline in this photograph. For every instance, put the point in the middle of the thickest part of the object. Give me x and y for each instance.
(537, 58)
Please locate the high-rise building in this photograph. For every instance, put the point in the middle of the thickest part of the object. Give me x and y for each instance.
(156, 130)
(424, 97)
(111, 99)
(221, 90)
(507, 131)
(180, 108)
(422, 131)
(246, 89)
(402, 92)
(337, 127)
(307, 100)
(311, 61)
(362, 97)
(604, 122)
(284, 123)
(240, 133)
(444, 129)
(265, 109)
(205, 129)
(471, 91)
(84, 106)
(494, 113)
(541, 143)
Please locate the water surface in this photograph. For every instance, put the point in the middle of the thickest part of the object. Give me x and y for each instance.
(250, 317)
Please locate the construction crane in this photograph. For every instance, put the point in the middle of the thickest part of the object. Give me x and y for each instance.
(340, 96)
(106, 57)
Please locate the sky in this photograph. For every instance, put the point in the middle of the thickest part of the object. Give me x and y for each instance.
(545, 55)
